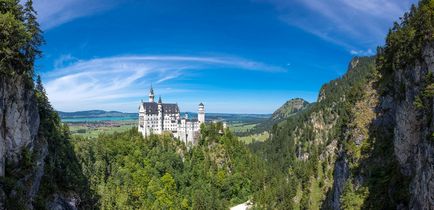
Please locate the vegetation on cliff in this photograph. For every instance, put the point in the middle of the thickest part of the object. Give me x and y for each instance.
(341, 152)
(45, 167)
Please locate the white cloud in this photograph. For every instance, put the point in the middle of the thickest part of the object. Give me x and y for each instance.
(64, 60)
(362, 52)
(103, 83)
(52, 13)
(351, 24)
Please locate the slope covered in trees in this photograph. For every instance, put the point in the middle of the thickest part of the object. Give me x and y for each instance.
(130, 172)
(288, 109)
(367, 142)
(305, 146)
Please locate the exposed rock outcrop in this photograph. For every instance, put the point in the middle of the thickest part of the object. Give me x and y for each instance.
(340, 176)
(19, 120)
(29, 141)
(63, 202)
(19, 142)
(413, 130)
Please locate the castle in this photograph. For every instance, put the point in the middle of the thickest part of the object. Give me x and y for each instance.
(160, 117)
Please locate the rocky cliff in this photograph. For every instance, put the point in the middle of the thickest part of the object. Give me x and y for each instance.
(19, 142)
(37, 165)
(19, 121)
(413, 126)
(406, 88)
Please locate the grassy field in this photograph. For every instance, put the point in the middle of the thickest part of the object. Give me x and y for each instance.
(91, 127)
(240, 127)
(256, 137)
(92, 130)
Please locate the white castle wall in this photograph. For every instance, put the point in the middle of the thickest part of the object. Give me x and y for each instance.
(184, 129)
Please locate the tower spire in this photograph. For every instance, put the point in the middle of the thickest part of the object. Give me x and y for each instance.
(151, 94)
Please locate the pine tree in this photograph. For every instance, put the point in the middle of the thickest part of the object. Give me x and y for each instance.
(32, 26)
(13, 36)
(39, 87)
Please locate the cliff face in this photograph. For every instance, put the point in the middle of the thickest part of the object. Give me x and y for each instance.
(38, 168)
(413, 127)
(19, 121)
(384, 156)
(19, 142)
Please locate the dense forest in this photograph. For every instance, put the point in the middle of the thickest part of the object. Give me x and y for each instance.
(130, 172)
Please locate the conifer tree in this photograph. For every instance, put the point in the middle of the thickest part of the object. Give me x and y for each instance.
(39, 87)
(13, 36)
(36, 40)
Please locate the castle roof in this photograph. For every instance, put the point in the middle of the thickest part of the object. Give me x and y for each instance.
(152, 108)
(201, 104)
(151, 91)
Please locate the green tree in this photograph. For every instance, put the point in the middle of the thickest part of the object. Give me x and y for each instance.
(32, 50)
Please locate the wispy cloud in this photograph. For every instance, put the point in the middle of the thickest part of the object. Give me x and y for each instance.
(356, 25)
(362, 52)
(63, 60)
(52, 13)
(103, 82)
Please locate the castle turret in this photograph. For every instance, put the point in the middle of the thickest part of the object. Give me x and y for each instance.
(151, 94)
(160, 114)
(201, 113)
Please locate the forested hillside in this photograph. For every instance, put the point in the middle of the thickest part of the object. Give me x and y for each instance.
(305, 147)
(368, 141)
(130, 172)
(290, 108)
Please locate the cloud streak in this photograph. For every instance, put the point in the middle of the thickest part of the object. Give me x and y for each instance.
(102, 82)
(52, 13)
(356, 25)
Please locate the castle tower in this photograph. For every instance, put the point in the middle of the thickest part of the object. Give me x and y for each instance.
(201, 113)
(151, 94)
(160, 115)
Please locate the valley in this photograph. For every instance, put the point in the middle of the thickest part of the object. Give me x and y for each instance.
(366, 142)
(95, 122)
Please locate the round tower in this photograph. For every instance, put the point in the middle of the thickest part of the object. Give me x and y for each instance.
(160, 115)
(201, 113)
(151, 94)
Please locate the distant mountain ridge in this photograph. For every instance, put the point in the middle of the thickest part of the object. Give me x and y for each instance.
(228, 117)
(95, 114)
(288, 109)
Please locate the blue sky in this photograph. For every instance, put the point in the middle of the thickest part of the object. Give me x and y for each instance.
(235, 56)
